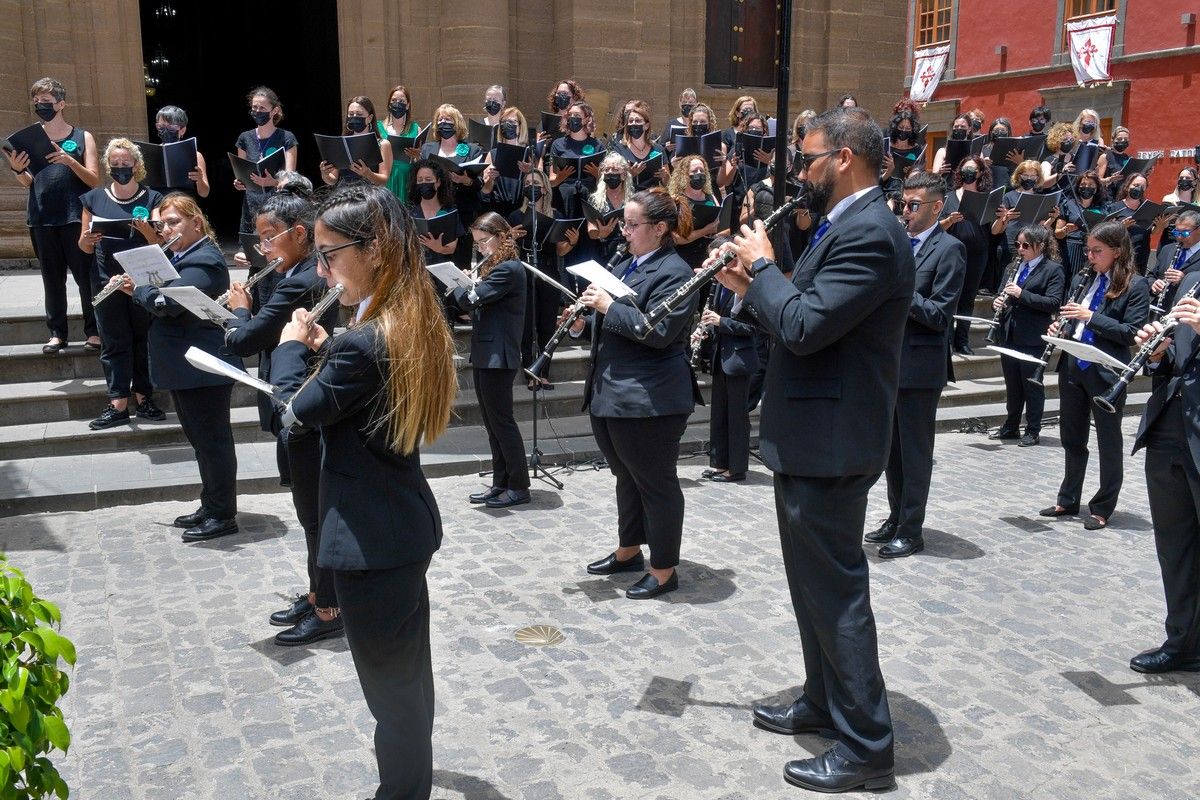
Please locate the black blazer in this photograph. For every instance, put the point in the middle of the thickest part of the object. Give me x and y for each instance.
(830, 390)
(1114, 327)
(1179, 371)
(497, 306)
(649, 377)
(174, 329)
(376, 509)
(259, 334)
(733, 340)
(1029, 316)
(941, 270)
(1163, 261)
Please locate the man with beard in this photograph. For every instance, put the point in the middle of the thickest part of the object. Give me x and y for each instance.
(825, 432)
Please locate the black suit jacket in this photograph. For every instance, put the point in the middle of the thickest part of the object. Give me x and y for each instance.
(1163, 261)
(941, 270)
(1179, 371)
(174, 329)
(376, 509)
(1029, 316)
(1114, 327)
(831, 382)
(497, 307)
(259, 334)
(733, 341)
(649, 377)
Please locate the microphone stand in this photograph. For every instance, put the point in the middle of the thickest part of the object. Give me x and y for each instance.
(536, 470)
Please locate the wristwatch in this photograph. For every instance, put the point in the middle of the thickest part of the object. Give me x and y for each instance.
(759, 265)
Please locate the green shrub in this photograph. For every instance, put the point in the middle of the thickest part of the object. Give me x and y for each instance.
(31, 724)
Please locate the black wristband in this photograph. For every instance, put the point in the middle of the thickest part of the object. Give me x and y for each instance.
(18, 171)
(759, 266)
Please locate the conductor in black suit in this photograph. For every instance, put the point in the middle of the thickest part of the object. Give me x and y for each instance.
(924, 365)
(1170, 432)
(201, 399)
(497, 306)
(826, 422)
(1179, 258)
(640, 392)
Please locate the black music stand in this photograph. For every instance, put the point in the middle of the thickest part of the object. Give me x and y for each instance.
(536, 470)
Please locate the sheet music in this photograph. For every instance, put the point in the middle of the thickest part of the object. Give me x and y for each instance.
(200, 304)
(593, 272)
(147, 265)
(210, 363)
(450, 275)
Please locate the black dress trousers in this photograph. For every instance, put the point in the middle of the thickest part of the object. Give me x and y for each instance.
(1075, 411)
(494, 388)
(910, 463)
(58, 253)
(1020, 394)
(124, 326)
(304, 467)
(204, 417)
(730, 420)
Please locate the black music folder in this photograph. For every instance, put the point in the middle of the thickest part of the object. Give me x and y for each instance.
(562, 162)
(473, 168)
(113, 228)
(402, 143)
(747, 143)
(958, 149)
(244, 168)
(168, 165)
(705, 146)
(981, 206)
(599, 217)
(445, 225)
(506, 158)
(1142, 165)
(551, 124)
(1006, 144)
(482, 134)
(1035, 147)
(32, 141)
(1147, 212)
(549, 230)
(342, 151)
(1034, 208)
(705, 215)
(1085, 157)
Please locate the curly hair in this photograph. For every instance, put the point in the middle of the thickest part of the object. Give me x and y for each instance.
(679, 176)
(983, 179)
(1058, 133)
(445, 193)
(573, 87)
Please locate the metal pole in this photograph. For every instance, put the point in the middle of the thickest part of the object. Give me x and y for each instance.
(783, 82)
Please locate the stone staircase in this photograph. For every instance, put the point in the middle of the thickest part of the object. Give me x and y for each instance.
(50, 460)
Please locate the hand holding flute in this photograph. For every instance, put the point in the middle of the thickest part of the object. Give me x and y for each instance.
(304, 326)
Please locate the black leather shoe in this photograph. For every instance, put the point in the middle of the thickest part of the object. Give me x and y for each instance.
(210, 528)
(488, 494)
(51, 348)
(964, 350)
(794, 718)
(148, 410)
(1161, 661)
(293, 613)
(733, 478)
(901, 547)
(109, 418)
(508, 498)
(310, 629)
(884, 533)
(831, 773)
(708, 473)
(1004, 433)
(191, 520)
(649, 587)
(609, 565)
(1029, 440)
(1058, 511)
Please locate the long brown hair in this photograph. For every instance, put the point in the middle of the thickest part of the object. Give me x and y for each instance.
(419, 365)
(1113, 234)
(495, 225)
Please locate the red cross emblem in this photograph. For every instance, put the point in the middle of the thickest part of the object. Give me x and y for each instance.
(1087, 51)
(927, 75)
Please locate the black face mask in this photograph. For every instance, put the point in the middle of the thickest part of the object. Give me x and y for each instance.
(613, 179)
(509, 130)
(969, 176)
(398, 109)
(446, 130)
(958, 134)
(1000, 133)
(534, 193)
(427, 190)
(492, 107)
(686, 108)
(1065, 145)
(356, 124)
(976, 125)
(1136, 192)
(561, 100)
(1087, 127)
(167, 135)
(1028, 183)
(1120, 147)
(635, 131)
(1037, 125)
(1087, 192)
(574, 124)
(903, 136)
(1185, 185)
(45, 111)
(260, 118)
(745, 112)
(122, 175)
(696, 181)
(700, 130)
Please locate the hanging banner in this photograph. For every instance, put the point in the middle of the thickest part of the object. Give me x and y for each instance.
(1090, 41)
(927, 71)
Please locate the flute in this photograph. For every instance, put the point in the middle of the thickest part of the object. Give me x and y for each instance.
(223, 299)
(1085, 281)
(649, 320)
(327, 300)
(115, 283)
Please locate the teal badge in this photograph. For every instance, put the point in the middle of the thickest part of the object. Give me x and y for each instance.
(141, 212)
(69, 146)
(588, 149)
(462, 149)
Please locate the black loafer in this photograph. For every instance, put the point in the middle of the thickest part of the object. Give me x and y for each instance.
(148, 410)
(109, 418)
(310, 629)
(831, 773)
(901, 547)
(210, 528)
(293, 613)
(884, 533)
(1029, 440)
(609, 565)
(50, 348)
(1056, 511)
(709, 473)
(794, 718)
(649, 587)
(1160, 660)
(488, 494)
(1004, 434)
(1094, 523)
(508, 498)
(731, 478)
(965, 350)
(191, 520)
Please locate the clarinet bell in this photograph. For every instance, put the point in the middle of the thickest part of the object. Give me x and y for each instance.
(538, 369)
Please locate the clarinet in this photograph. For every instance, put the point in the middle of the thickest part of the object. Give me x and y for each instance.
(702, 332)
(223, 299)
(642, 327)
(1010, 275)
(1108, 401)
(1085, 276)
(112, 286)
(541, 364)
(1158, 307)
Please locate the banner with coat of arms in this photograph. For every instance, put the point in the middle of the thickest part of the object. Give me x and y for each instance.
(1090, 41)
(927, 71)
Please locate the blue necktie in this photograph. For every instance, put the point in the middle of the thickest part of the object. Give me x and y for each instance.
(821, 230)
(1097, 298)
(1025, 270)
(629, 270)
(914, 243)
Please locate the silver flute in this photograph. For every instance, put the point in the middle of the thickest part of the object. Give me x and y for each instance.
(223, 299)
(115, 284)
(327, 300)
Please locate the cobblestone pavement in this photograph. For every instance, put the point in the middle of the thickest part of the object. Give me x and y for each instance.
(1005, 648)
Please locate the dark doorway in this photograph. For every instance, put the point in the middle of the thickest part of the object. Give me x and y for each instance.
(214, 59)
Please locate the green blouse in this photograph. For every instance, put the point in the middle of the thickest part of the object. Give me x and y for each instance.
(401, 174)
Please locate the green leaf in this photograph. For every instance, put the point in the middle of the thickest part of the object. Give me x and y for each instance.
(56, 732)
(6, 701)
(60, 788)
(18, 689)
(16, 757)
(34, 639)
(20, 717)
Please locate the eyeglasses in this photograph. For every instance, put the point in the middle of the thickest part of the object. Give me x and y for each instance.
(482, 242)
(625, 226)
(323, 255)
(1025, 246)
(1095, 251)
(264, 245)
(915, 205)
(1180, 233)
(805, 160)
